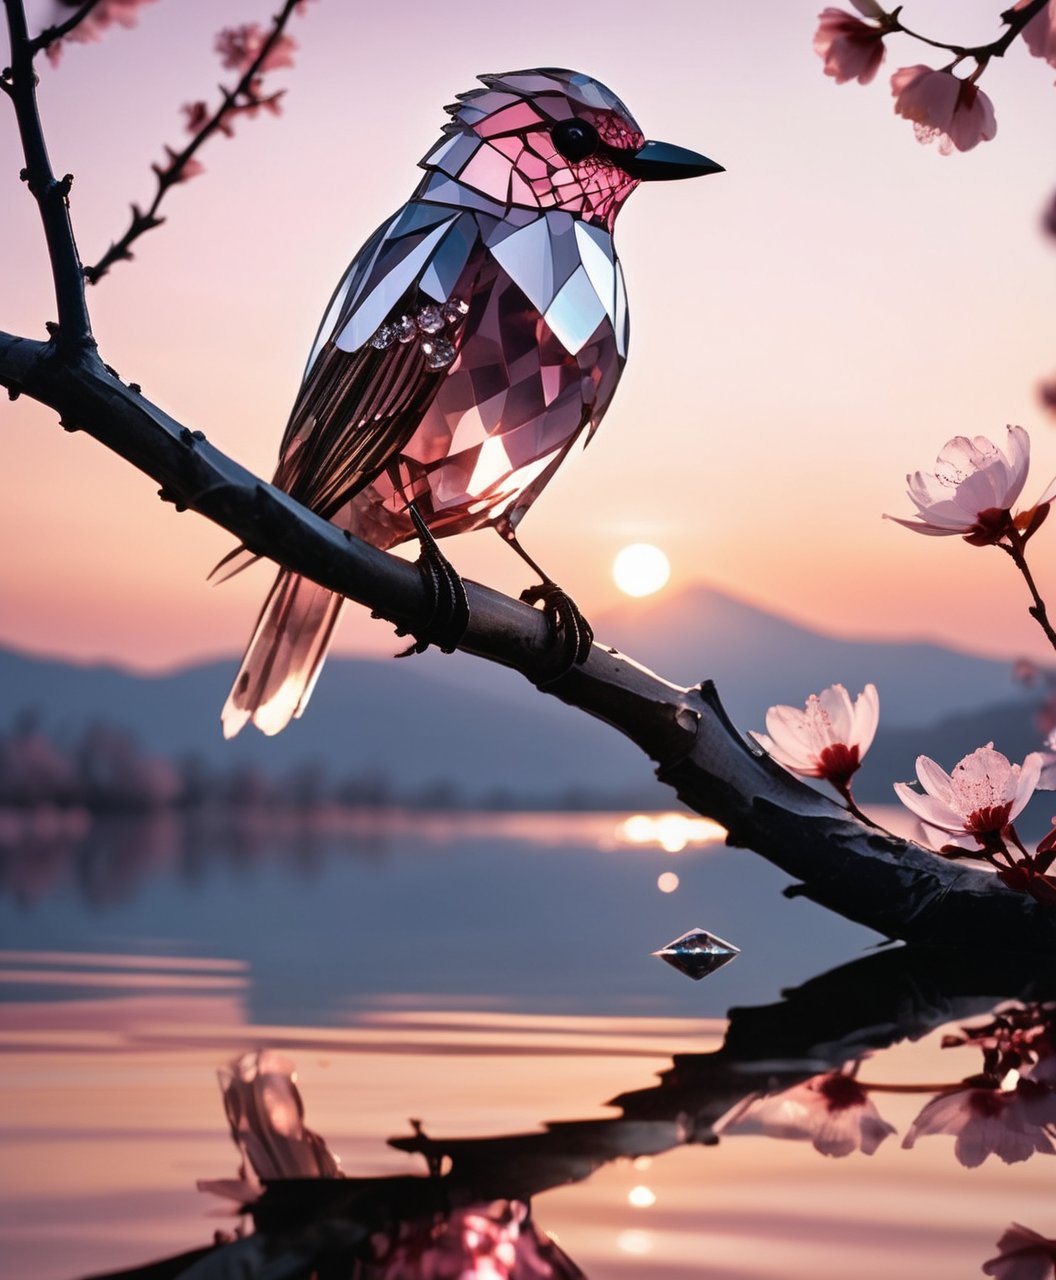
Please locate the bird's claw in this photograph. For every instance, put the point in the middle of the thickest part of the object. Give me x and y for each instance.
(449, 613)
(572, 632)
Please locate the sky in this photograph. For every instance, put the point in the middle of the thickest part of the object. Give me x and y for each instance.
(806, 328)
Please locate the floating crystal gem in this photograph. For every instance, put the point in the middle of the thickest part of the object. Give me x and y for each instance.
(430, 319)
(383, 338)
(438, 353)
(455, 310)
(405, 329)
(698, 953)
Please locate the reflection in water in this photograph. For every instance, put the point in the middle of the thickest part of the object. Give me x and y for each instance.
(791, 1069)
(109, 860)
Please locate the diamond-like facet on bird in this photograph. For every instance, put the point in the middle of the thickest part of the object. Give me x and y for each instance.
(383, 338)
(405, 329)
(430, 319)
(438, 353)
(698, 953)
(455, 310)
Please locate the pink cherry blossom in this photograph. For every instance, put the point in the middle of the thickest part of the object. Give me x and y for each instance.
(980, 798)
(850, 48)
(1000, 1122)
(239, 47)
(1025, 1255)
(944, 107)
(1039, 35)
(972, 489)
(828, 738)
(91, 27)
(832, 1111)
(183, 173)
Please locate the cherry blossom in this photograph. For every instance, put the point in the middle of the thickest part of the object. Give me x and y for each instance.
(980, 798)
(1007, 1123)
(239, 47)
(832, 1111)
(1025, 1255)
(1039, 35)
(91, 27)
(174, 171)
(828, 738)
(850, 48)
(941, 106)
(973, 488)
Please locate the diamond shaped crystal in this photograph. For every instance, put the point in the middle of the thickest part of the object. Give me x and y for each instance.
(698, 953)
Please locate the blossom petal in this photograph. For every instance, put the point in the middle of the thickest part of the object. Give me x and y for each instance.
(928, 809)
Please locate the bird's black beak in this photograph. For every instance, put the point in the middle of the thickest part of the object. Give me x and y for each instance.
(662, 162)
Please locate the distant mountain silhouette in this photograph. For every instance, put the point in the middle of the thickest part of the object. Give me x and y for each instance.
(758, 659)
(483, 730)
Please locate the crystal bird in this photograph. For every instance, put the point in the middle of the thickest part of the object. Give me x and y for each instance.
(476, 337)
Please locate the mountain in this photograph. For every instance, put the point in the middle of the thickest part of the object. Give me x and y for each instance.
(454, 721)
(758, 659)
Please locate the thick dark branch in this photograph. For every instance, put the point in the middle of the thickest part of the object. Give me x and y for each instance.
(233, 101)
(890, 885)
(75, 330)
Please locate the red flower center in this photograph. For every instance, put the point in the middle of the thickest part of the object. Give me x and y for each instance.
(841, 1092)
(993, 818)
(838, 764)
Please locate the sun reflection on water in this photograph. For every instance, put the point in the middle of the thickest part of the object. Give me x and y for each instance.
(671, 832)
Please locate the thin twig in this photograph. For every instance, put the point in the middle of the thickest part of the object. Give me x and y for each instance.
(1016, 20)
(60, 29)
(230, 104)
(74, 330)
(1016, 549)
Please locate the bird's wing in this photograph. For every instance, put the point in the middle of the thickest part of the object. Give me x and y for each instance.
(369, 381)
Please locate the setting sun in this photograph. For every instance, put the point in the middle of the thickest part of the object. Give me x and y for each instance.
(640, 569)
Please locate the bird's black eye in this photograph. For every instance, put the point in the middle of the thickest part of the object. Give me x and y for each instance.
(575, 139)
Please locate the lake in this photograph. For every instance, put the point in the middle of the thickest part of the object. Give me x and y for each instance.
(584, 1107)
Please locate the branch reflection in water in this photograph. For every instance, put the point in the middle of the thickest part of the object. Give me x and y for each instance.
(789, 1070)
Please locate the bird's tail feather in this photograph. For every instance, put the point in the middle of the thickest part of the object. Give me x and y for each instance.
(284, 656)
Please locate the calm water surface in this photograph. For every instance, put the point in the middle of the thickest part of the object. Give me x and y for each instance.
(491, 978)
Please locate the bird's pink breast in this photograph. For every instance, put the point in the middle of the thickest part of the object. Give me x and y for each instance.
(511, 405)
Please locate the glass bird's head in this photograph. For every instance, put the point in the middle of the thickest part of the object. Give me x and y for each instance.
(553, 139)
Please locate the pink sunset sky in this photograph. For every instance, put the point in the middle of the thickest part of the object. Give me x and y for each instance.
(806, 328)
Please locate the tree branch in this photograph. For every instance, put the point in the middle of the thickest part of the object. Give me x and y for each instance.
(75, 329)
(891, 885)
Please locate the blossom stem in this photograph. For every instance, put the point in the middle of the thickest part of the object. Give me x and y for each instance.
(146, 220)
(845, 791)
(1016, 549)
(1016, 20)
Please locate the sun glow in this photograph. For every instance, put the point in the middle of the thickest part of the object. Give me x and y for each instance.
(641, 569)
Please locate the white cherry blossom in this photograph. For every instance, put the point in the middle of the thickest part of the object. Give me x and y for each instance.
(984, 793)
(828, 738)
